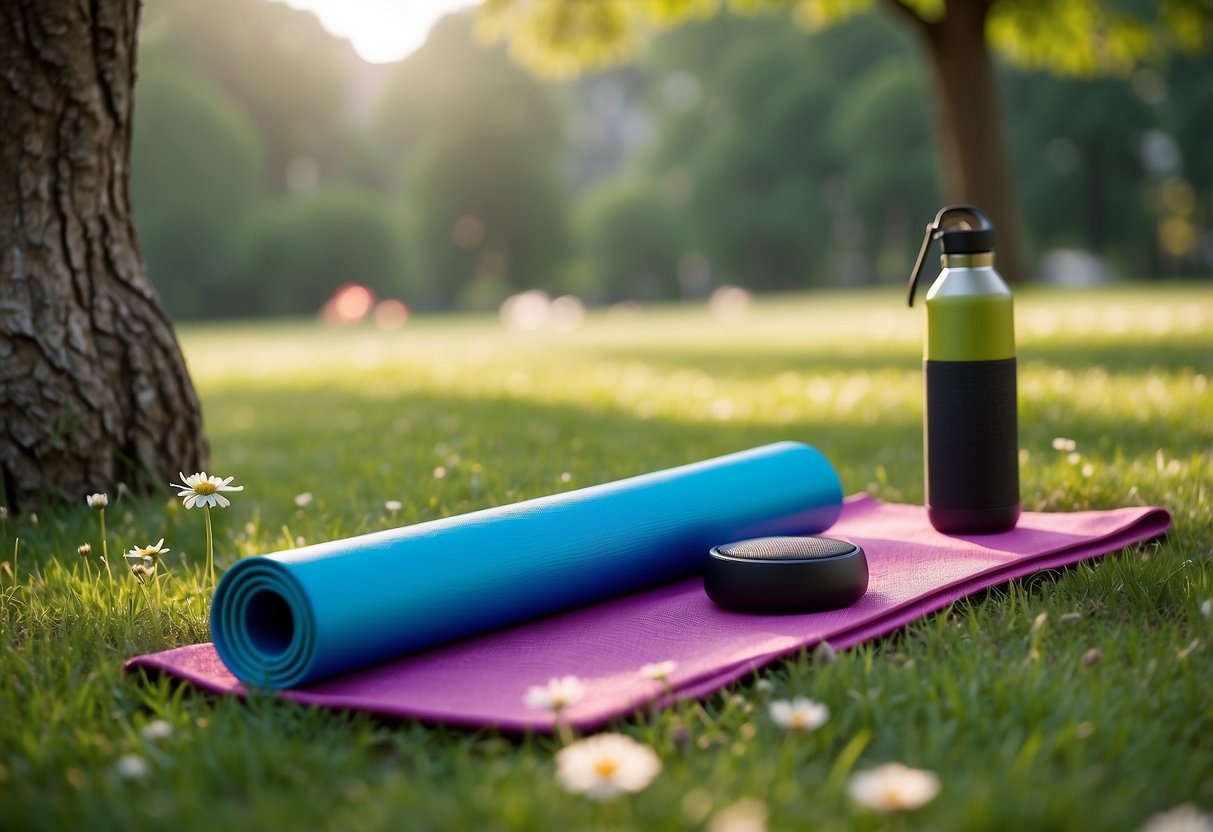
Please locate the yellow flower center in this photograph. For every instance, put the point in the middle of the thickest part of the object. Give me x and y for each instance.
(606, 767)
(205, 488)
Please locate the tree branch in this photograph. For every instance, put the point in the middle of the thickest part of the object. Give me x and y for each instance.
(898, 8)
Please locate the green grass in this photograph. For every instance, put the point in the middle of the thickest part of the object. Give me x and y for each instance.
(449, 415)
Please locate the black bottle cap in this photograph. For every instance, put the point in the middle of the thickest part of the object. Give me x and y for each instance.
(965, 239)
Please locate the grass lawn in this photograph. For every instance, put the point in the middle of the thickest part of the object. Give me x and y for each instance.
(453, 414)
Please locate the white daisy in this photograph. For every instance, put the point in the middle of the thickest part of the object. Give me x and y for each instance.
(799, 714)
(893, 787)
(143, 554)
(97, 501)
(659, 671)
(132, 767)
(201, 490)
(157, 730)
(556, 695)
(746, 815)
(606, 765)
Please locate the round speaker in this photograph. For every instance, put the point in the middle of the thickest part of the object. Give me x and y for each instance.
(783, 575)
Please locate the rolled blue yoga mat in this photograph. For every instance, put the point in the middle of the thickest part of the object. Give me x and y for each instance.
(283, 620)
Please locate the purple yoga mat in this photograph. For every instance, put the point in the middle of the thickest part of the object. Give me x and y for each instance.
(914, 570)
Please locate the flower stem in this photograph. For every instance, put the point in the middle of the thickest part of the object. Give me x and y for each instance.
(210, 548)
(105, 552)
(564, 731)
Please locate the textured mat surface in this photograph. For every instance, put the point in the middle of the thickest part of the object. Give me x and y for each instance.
(482, 680)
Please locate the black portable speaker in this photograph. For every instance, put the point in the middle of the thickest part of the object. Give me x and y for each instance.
(782, 575)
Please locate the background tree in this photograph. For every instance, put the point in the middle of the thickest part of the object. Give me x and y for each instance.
(196, 179)
(475, 143)
(794, 166)
(286, 74)
(314, 243)
(93, 387)
(632, 239)
(1078, 36)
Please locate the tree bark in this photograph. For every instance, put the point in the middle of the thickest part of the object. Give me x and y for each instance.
(974, 158)
(94, 390)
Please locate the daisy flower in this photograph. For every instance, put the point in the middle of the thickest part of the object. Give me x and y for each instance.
(746, 815)
(132, 767)
(799, 714)
(659, 671)
(143, 553)
(201, 490)
(157, 730)
(556, 695)
(606, 765)
(893, 787)
(97, 501)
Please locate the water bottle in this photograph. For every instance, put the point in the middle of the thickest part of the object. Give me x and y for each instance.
(970, 430)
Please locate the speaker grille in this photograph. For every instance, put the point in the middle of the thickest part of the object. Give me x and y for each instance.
(786, 548)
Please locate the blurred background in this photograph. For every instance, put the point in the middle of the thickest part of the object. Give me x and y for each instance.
(401, 165)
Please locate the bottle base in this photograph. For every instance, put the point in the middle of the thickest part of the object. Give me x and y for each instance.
(973, 520)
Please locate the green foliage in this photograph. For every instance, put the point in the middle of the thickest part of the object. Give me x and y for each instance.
(560, 38)
(287, 74)
(1080, 182)
(477, 140)
(1022, 732)
(1077, 37)
(196, 174)
(1090, 37)
(633, 239)
(1088, 182)
(786, 180)
(313, 244)
(882, 133)
(773, 157)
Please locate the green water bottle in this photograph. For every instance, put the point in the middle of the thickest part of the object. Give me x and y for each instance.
(970, 426)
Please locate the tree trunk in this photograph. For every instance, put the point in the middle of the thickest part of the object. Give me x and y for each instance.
(974, 158)
(93, 387)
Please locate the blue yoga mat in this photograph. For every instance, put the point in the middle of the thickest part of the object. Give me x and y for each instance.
(283, 620)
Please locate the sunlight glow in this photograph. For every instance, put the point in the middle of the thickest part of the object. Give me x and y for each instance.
(381, 31)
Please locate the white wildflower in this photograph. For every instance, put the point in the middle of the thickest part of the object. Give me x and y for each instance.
(893, 787)
(659, 671)
(799, 714)
(556, 695)
(157, 730)
(148, 554)
(606, 765)
(201, 490)
(746, 815)
(132, 767)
